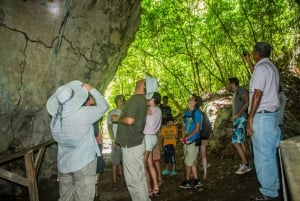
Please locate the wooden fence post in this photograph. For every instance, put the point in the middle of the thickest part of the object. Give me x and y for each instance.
(31, 176)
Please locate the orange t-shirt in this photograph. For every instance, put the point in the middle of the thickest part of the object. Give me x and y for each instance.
(169, 133)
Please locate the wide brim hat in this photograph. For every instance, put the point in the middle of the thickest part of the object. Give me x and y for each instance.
(151, 87)
(67, 99)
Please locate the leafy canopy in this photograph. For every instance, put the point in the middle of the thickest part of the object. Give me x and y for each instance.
(193, 46)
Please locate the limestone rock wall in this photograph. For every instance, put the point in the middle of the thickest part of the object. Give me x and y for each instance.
(45, 43)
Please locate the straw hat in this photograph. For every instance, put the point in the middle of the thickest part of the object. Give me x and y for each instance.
(67, 99)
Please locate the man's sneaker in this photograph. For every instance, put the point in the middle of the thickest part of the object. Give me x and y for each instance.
(165, 172)
(185, 184)
(197, 184)
(173, 173)
(243, 169)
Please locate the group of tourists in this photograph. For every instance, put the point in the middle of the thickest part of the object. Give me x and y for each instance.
(140, 126)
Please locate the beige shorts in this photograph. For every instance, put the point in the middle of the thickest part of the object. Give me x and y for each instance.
(190, 154)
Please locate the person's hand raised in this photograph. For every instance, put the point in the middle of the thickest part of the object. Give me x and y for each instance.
(87, 86)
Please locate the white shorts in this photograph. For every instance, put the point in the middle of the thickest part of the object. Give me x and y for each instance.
(151, 141)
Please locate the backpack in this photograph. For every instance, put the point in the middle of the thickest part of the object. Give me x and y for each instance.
(206, 126)
(206, 129)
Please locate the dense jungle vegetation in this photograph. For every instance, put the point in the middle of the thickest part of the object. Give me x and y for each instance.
(193, 46)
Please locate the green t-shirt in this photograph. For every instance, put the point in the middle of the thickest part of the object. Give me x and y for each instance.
(132, 135)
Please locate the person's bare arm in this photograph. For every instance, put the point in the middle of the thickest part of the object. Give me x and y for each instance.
(122, 120)
(255, 104)
(149, 111)
(249, 62)
(110, 131)
(195, 131)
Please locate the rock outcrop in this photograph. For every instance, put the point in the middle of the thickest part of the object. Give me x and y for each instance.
(45, 43)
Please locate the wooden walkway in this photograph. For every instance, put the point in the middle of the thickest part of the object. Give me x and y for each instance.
(32, 166)
(289, 153)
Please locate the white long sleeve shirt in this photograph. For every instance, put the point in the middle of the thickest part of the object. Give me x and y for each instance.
(77, 145)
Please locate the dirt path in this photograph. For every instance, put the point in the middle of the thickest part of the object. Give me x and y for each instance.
(223, 184)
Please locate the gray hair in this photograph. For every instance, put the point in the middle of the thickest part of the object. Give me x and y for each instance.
(263, 48)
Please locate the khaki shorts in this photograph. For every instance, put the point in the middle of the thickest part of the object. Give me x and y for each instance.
(116, 155)
(190, 154)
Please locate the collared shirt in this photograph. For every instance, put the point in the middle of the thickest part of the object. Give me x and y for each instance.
(266, 79)
(77, 145)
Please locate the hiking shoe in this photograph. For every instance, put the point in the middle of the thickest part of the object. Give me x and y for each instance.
(185, 184)
(173, 173)
(262, 197)
(243, 169)
(165, 172)
(197, 184)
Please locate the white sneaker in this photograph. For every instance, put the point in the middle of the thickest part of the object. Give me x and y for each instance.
(243, 169)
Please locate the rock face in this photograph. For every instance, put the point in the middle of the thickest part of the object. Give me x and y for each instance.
(45, 43)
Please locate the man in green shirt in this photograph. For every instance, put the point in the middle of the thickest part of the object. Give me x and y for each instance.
(130, 137)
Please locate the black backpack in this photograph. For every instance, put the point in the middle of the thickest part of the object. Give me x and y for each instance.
(206, 127)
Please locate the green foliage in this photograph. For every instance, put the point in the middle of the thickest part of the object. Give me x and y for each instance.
(192, 46)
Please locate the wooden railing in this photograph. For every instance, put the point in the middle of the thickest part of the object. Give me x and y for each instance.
(32, 166)
(289, 154)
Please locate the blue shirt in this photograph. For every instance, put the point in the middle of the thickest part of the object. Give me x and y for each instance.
(77, 145)
(190, 121)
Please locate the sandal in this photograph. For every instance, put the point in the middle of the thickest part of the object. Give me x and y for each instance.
(150, 193)
(263, 198)
(156, 193)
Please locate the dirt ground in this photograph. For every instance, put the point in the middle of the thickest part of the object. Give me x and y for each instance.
(222, 185)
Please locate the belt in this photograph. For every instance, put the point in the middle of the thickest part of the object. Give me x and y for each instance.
(266, 111)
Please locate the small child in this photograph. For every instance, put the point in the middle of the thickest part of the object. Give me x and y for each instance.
(169, 133)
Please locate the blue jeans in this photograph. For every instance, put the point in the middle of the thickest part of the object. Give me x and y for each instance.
(265, 143)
